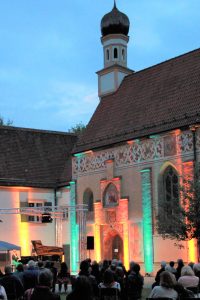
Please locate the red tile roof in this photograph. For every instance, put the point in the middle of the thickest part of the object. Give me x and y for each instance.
(35, 158)
(157, 99)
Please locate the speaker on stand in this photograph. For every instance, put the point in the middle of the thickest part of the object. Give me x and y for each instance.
(90, 243)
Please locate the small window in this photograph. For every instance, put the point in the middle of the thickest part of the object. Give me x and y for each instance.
(107, 54)
(123, 54)
(115, 53)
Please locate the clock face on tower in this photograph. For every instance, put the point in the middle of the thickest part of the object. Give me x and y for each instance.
(111, 196)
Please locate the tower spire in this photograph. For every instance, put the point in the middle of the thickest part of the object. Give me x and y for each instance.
(114, 4)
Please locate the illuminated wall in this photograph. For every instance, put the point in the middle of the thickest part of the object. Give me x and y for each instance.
(188, 170)
(74, 249)
(147, 220)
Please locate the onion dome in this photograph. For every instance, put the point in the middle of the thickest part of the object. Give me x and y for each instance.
(115, 22)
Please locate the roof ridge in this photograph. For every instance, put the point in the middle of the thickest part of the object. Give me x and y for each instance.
(15, 128)
(163, 62)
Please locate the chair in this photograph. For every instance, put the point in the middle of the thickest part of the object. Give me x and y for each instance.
(194, 289)
(42, 250)
(109, 294)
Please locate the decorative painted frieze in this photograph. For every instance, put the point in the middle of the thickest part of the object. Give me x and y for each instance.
(151, 149)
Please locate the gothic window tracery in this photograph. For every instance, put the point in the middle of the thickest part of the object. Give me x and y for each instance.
(170, 190)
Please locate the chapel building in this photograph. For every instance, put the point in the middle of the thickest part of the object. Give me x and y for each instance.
(143, 137)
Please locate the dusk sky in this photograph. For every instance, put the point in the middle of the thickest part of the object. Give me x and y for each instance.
(51, 49)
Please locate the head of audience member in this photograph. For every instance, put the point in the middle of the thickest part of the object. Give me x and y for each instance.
(180, 263)
(163, 264)
(63, 267)
(8, 270)
(136, 268)
(31, 265)
(171, 263)
(132, 263)
(45, 277)
(114, 262)
(191, 264)
(113, 267)
(48, 264)
(40, 264)
(20, 267)
(167, 280)
(105, 264)
(119, 272)
(95, 267)
(82, 288)
(84, 267)
(108, 277)
(196, 268)
(119, 263)
(187, 271)
(89, 260)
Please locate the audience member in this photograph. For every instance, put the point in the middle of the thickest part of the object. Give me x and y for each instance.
(43, 290)
(183, 293)
(96, 272)
(170, 267)
(30, 276)
(19, 273)
(188, 279)
(196, 269)
(12, 285)
(109, 281)
(134, 282)
(63, 276)
(105, 266)
(82, 289)
(3, 293)
(166, 287)
(157, 278)
(179, 267)
(85, 271)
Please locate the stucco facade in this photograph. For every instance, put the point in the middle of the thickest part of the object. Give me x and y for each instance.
(124, 166)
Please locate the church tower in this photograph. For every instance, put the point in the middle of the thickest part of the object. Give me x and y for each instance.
(114, 30)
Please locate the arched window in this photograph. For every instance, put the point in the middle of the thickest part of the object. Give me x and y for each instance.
(115, 53)
(123, 54)
(88, 199)
(110, 196)
(170, 190)
(107, 54)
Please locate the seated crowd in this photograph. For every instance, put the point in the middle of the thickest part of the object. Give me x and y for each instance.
(107, 280)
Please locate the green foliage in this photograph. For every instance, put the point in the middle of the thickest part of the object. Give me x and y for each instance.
(78, 128)
(7, 123)
(183, 222)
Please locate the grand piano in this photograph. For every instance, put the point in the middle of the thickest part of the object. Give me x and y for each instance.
(42, 250)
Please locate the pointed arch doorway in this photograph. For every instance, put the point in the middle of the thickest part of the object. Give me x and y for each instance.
(113, 247)
(117, 248)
